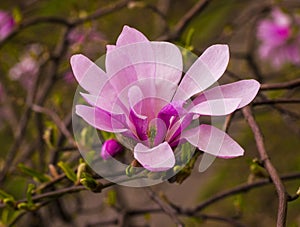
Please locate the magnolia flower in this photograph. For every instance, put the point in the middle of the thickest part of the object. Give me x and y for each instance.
(80, 35)
(278, 44)
(110, 148)
(142, 96)
(27, 69)
(7, 24)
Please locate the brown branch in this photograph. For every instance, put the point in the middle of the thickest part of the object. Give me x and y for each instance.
(60, 124)
(65, 22)
(185, 20)
(218, 218)
(284, 85)
(281, 192)
(102, 12)
(165, 207)
(20, 131)
(38, 96)
(276, 101)
(240, 189)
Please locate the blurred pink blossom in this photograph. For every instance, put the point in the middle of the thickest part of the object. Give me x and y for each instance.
(28, 67)
(7, 24)
(69, 77)
(79, 35)
(143, 97)
(279, 43)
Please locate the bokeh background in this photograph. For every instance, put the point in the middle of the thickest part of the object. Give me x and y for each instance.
(36, 97)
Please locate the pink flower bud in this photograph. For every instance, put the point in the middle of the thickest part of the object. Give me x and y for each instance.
(7, 24)
(110, 148)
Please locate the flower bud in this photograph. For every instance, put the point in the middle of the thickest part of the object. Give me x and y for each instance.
(110, 148)
(7, 24)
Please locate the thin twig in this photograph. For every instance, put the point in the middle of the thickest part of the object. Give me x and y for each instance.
(185, 20)
(281, 192)
(283, 85)
(276, 101)
(60, 124)
(165, 207)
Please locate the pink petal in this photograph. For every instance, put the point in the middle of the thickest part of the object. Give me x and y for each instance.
(207, 69)
(159, 158)
(174, 134)
(130, 35)
(213, 141)
(217, 107)
(152, 98)
(102, 103)
(148, 59)
(101, 119)
(168, 61)
(140, 124)
(172, 110)
(110, 48)
(246, 90)
(7, 24)
(87, 73)
(281, 18)
(135, 96)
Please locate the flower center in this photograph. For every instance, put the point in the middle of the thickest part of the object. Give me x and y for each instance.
(152, 134)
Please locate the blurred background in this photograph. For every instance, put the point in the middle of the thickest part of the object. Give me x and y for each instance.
(37, 39)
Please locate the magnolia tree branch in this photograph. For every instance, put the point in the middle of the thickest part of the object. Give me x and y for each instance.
(241, 189)
(283, 85)
(281, 192)
(165, 207)
(276, 101)
(185, 20)
(66, 22)
(60, 124)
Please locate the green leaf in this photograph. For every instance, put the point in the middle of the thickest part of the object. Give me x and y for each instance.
(90, 183)
(4, 195)
(29, 192)
(37, 176)
(186, 152)
(107, 135)
(8, 215)
(68, 171)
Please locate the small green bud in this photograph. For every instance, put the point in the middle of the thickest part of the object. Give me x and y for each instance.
(298, 192)
(80, 169)
(177, 168)
(9, 201)
(91, 184)
(154, 175)
(130, 171)
(23, 206)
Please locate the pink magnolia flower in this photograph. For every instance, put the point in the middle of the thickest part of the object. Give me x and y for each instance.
(27, 69)
(110, 148)
(7, 24)
(142, 96)
(278, 42)
(80, 35)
